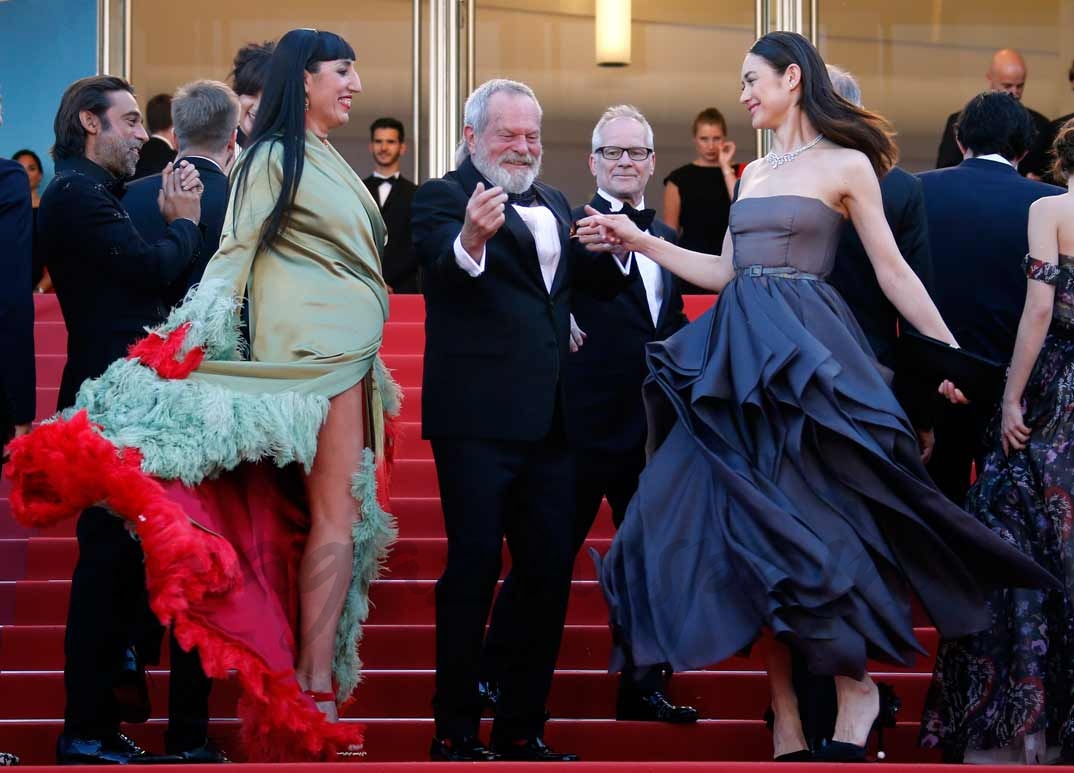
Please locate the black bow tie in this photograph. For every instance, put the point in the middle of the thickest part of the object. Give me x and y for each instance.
(643, 218)
(528, 198)
(389, 180)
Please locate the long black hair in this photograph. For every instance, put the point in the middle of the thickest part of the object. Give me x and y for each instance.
(281, 117)
(840, 121)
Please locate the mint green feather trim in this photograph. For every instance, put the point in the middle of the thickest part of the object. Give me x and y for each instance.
(213, 315)
(373, 535)
(391, 392)
(190, 430)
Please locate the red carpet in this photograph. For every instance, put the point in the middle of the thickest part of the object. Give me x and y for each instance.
(394, 701)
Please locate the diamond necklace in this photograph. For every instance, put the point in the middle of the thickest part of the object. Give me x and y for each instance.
(776, 160)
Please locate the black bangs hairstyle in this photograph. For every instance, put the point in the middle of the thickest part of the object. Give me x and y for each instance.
(838, 120)
(281, 117)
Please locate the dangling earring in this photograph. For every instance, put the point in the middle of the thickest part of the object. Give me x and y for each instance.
(307, 102)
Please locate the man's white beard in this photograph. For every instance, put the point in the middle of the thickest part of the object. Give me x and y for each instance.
(512, 182)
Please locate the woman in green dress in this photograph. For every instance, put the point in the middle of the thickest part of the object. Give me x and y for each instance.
(249, 468)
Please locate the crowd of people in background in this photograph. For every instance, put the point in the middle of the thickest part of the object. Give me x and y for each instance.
(547, 321)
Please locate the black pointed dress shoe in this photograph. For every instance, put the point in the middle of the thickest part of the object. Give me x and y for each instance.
(652, 707)
(114, 749)
(207, 753)
(469, 749)
(530, 750)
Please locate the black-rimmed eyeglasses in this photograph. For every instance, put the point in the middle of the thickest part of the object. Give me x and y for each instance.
(613, 153)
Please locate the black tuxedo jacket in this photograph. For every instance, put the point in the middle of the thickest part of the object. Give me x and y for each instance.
(17, 376)
(604, 377)
(400, 263)
(1037, 160)
(154, 156)
(978, 214)
(854, 277)
(109, 280)
(140, 201)
(496, 344)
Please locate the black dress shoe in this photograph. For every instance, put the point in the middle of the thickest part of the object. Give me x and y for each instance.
(130, 689)
(802, 755)
(530, 750)
(207, 753)
(839, 751)
(652, 707)
(468, 749)
(115, 749)
(489, 693)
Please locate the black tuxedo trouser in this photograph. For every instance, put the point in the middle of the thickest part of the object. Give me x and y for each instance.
(598, 474)
(108, 612)
(492, 489)
(960, 442)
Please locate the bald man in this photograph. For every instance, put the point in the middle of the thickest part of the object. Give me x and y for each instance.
(1007, 72)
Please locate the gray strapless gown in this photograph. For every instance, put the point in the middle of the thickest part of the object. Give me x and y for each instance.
(786, 489)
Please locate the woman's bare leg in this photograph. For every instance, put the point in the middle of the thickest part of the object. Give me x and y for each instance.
(787, 734)
(325, 570)
(859, 704)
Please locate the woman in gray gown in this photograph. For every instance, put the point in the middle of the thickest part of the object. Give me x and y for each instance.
(785, 502)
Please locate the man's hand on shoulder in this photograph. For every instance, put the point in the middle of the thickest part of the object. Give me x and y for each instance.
(485, 213)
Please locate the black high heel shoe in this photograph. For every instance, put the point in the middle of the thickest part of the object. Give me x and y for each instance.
(841, 751)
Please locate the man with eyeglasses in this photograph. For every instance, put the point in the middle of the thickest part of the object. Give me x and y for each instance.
(606, 415)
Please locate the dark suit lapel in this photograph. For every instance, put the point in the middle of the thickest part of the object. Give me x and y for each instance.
(636, 289)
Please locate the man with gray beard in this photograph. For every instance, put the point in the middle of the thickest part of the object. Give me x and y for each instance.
(499, 266)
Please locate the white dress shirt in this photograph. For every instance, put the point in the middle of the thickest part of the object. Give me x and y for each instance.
(995, 157)
(651, 276)
(385, 187)
(542, 224)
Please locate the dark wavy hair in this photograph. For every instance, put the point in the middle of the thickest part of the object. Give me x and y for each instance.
(838, 120)
(92, 94)
(995, 122)
(281, 118)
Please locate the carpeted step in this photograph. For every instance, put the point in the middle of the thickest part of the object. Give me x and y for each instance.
(49, 369)
(406, 368)
(396, 602)
(404, 338)
(402, 694)
(412, 558)
(584, 647)
(50, 337)
(419, 516)
(407, 740)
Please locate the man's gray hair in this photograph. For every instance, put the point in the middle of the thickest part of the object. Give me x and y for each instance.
(845, 84)
(204, 114)
(476, 112)
(621, 111)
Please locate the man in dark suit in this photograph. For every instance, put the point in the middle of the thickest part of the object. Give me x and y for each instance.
(17, 376)
(205, 115)
(1006, 73)
(498, 270)
(201, 112)
(606, 414)
(393, 192)
(109, 282)
(159, 150)
(978, 214)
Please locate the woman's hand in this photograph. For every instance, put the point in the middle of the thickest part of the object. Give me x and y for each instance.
(953, 393)
(608, 233)
(1015, 434)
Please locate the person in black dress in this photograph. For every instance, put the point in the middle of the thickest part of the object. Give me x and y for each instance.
(785, 479)
(697, 197)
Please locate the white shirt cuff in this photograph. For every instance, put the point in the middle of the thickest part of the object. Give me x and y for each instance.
(465, 262)
(624, 267)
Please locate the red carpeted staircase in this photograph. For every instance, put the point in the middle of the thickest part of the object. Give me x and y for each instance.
(394, 701)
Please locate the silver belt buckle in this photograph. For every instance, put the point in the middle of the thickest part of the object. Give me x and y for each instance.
(754, 271)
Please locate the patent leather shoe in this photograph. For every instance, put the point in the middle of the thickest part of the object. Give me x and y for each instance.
(489, 692)
(469, 749)
(839, 751)
(530, 750)
(207, 753)
(652, 706)
(114, 749)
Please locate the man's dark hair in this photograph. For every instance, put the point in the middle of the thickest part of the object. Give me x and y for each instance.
(250, 68)
(995, 122)
(388, 123)
(90, 94)
(158, 113)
